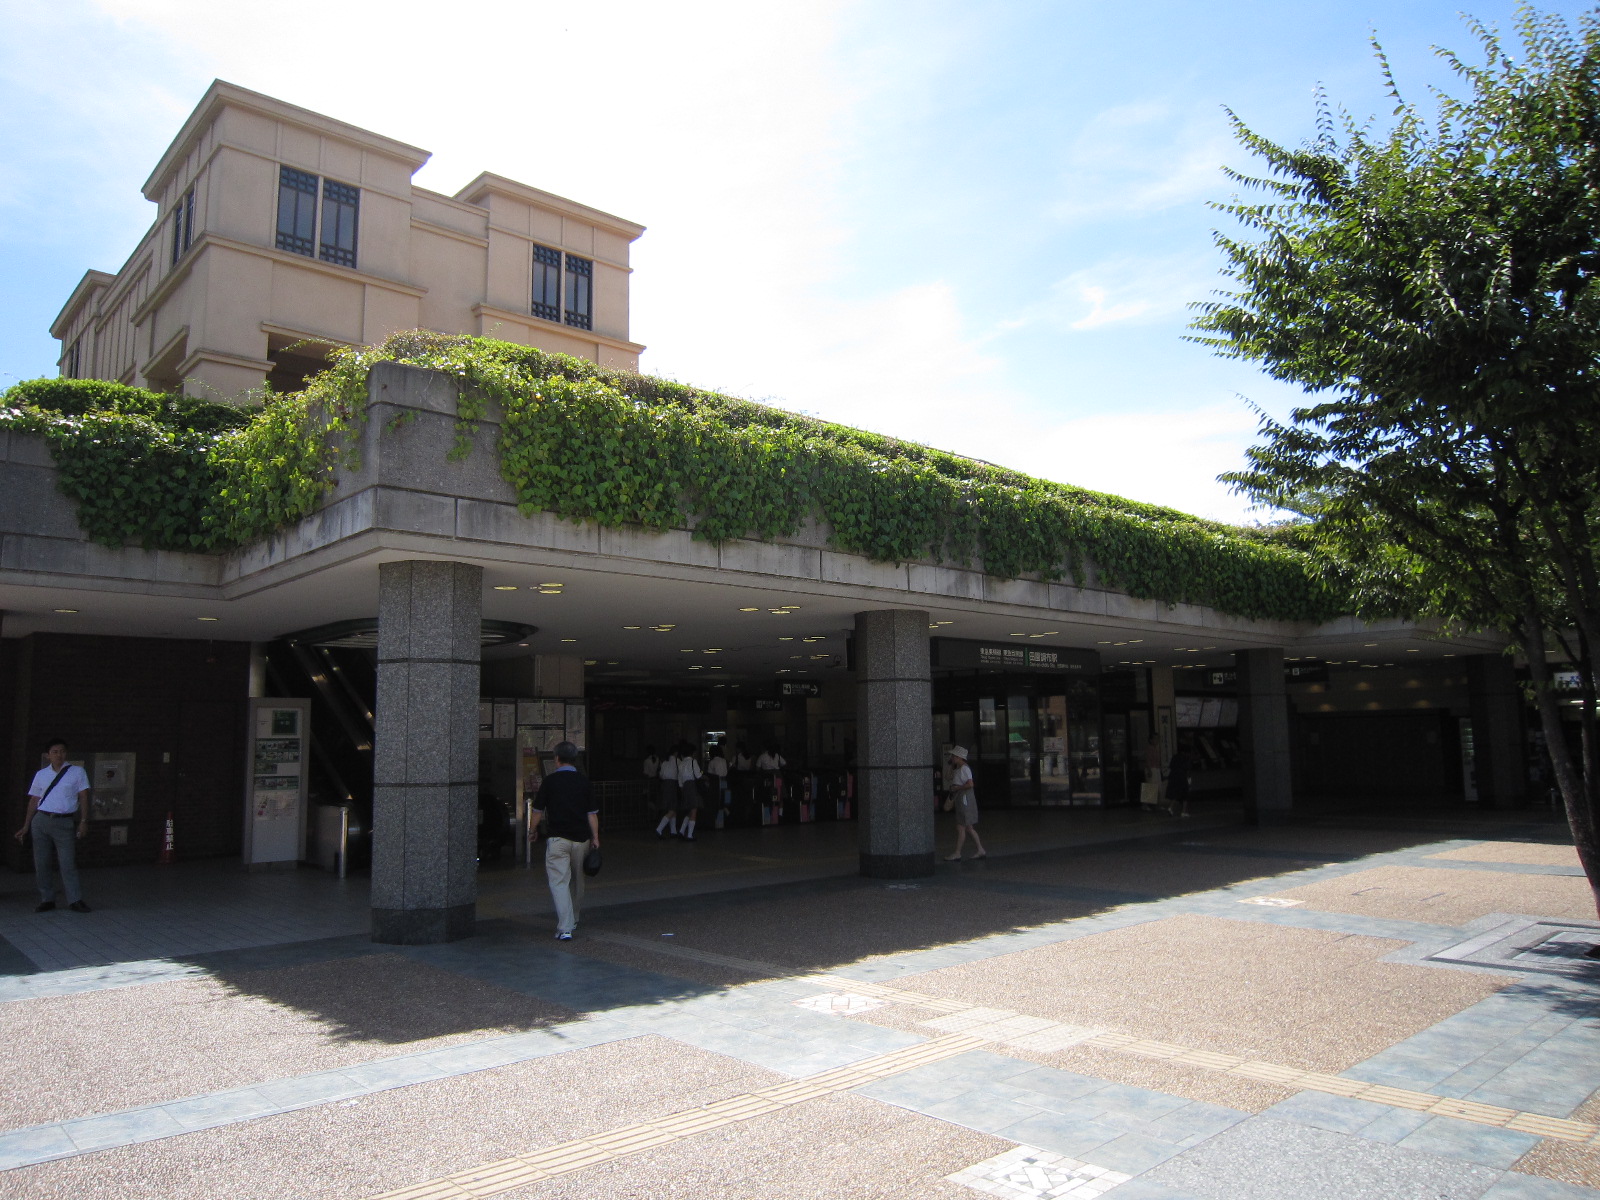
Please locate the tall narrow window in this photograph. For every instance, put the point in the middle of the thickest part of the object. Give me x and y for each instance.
(72, 361)
(297, 211)
(547, 283)
(580, 292)
(341, 205)
(182, 225)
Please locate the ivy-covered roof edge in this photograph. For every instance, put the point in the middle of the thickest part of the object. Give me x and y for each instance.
(589, 443)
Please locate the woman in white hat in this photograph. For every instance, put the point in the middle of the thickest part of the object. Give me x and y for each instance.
(963, 802)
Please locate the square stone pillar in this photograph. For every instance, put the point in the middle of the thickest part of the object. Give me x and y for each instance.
(1264, 735)
(894, 735)
(1496, 707)
(425, 755)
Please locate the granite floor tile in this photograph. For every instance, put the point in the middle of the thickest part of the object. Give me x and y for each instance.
(1485, 1144)
(1337, 1114)
(116, 1129)
(1073, 1136)
(1134, 1153)
(979, 1110)
(1267, 1159)
(1516, 1186)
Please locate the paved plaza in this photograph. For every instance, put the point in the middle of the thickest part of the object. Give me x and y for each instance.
(1108, 1005)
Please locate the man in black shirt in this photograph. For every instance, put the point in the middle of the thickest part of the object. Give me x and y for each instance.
(564, 797)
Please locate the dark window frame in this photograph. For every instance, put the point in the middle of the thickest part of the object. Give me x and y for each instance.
(298, 234)
(341, 202)
(546, 300)
(182, 225)
(578, 295)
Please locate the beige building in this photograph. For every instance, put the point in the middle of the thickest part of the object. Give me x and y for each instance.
(281, 232)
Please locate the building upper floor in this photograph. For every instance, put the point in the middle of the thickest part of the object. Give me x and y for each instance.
(281, 233)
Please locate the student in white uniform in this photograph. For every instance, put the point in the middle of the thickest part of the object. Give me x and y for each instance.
(689, 774)
(717, 772)
(964, 803)
(667, 774)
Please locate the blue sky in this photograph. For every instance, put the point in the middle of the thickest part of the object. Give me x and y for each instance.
(974, 225)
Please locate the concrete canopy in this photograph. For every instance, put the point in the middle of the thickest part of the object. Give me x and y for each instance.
(633, 602)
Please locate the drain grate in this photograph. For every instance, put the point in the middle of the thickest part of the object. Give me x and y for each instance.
(1531, 944)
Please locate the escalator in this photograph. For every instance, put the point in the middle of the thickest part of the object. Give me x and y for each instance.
(337, 667)
(342, 684)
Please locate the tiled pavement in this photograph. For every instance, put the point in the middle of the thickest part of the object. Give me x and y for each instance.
(1533, 1046)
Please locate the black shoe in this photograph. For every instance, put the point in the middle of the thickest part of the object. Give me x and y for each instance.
(46, 906)
(79, 906)
(688, 837)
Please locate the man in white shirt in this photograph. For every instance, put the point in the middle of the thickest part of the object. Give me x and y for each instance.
(58, 814)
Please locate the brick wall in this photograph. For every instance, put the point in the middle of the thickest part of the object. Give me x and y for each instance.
(179, 705)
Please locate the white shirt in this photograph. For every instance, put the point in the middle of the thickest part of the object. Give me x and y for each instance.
(64, 798)
(741, 762)
(771, 762)
(688, 769)
(718, 767)
(959, 776)
(652, 767)
(669, 769)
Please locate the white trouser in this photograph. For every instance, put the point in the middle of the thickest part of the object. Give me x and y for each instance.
(563, 867)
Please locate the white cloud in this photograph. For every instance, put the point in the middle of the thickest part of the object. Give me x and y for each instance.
(1142, 158)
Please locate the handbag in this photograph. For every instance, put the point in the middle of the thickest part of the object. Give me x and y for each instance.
(1150, 793)
(591, 862)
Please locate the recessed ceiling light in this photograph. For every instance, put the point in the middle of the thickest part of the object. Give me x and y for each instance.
(563, 639)
(522, 645)
(1019, 635)
(611, 662)
(779, 612)
(790, 607)
(696, 667)
(749, 610)
(505, 587)
(686, 651)
(1419, 652)
(714, 650)
(786, 639)
(208, 618)
(66, 610)
(783, 670)
(589, 662)
(713, 667)
(552, 585)
(630, 627)
(1369, 645)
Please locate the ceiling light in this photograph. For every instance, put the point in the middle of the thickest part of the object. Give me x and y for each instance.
(630, 627)
(783, 670)
(695, 668)
(208, 618)
(522, 645)
(790, 607)
(749, 610)
(552, 585)
(505, 587)
(786, 639)
(589, 662)
(611, 662)
(1019, 635)
(685, 651)
(563, 639)
(66, 610)
(713, 667)
(714, 650)
(1419, 652)
(779, 612)
(1369, 645)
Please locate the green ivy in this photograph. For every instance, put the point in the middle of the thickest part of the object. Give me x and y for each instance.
(590, 444)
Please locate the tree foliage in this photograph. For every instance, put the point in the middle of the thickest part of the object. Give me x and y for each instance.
(1434, 283)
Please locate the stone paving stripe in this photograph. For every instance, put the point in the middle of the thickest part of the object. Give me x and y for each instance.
(495, 1178)
(1002, 1025)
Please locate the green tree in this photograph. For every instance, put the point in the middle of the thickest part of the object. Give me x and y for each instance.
(1434, 285)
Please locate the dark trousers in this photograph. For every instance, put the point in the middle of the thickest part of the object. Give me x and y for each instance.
(56, 838)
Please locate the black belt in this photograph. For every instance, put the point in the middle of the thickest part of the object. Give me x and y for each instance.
(43, 812)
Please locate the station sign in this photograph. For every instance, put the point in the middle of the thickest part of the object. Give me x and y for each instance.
(961, 654)
(800, 687)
